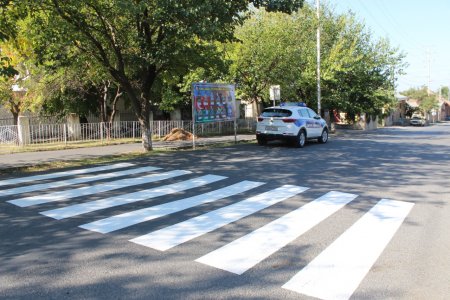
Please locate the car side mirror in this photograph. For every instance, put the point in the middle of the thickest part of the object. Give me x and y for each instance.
(317, 117)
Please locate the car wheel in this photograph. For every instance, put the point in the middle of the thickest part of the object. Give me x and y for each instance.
(261, 141)
(324, 137)
(301, 139)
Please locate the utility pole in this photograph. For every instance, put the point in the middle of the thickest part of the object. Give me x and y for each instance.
(429, 70)
(318, 57)
(439, 101)
(393, 79)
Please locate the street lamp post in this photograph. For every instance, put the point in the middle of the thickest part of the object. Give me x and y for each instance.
(318, 57)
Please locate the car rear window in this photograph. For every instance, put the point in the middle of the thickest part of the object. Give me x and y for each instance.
(276, 112)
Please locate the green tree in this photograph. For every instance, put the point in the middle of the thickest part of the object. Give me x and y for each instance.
(64, 91)
(76, 86)
(444, 92)
(427, 101)
(19, 100)
(135, 41)
(357, 72)
(7, 29)
(264, 55)
(174, 86)
(6, 69)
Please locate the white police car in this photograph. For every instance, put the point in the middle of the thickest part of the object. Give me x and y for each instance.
(293, 122)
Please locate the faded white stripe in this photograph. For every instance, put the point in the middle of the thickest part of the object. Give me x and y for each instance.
(63, 174)
(90, 190)
(85, 179)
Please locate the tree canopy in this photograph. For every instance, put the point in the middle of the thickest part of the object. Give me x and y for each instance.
(358, 72)
(135, 41)
(427, 101)
(82, 55)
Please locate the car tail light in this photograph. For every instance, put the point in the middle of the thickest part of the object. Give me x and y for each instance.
(260, 119)
(289, 120)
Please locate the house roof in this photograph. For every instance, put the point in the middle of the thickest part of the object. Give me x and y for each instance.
(401, 97)
(413, 102)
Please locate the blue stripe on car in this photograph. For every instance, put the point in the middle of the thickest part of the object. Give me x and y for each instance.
(299, 122)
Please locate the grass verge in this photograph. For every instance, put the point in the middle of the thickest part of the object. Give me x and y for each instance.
(112, 158)
(10, 149)
(81, 162)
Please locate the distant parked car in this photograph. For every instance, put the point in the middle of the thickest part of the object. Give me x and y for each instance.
(447, 118)
(417, 121)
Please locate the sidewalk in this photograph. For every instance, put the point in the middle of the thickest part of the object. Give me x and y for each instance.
(23, 159)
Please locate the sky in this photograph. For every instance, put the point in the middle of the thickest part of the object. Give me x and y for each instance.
(419, 28)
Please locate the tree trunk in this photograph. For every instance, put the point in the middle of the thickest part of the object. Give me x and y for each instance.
(16, 118)
(15, 110)
(104, 100)
(139, 99)
(114, 104)
(146, 134)
(255, 102)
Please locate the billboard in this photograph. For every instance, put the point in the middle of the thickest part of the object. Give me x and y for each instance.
(213, 102)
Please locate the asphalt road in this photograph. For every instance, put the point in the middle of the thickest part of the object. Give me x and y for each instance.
(368, 248)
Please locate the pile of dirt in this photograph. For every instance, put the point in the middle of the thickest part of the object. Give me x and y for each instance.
(178, 134)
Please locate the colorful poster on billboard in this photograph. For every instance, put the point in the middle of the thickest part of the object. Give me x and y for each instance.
(213, 102)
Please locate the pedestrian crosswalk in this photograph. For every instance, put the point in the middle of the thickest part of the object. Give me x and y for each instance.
(146, 214)
(90, 190)
(63, 174)
(172, 236)
(333, 274)
(242, 254)
(62, 183)
(338, 270)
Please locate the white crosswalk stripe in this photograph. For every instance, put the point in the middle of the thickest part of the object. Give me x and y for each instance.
(141, 195)
(90, 190)
(245, 252)
(85, 179)
(339, 269)
(150, 213)
(172, 236)
(63, 174)
(334, 274)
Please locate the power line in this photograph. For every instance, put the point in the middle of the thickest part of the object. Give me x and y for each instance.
(373, 18)
(397, 26)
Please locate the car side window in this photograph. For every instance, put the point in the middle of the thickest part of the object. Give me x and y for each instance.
(312, 114)
(303, 113)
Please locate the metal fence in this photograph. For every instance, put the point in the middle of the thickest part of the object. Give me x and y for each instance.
(21, 135)
(9, 134)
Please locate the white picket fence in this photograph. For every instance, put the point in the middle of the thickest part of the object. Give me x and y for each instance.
(85, 132)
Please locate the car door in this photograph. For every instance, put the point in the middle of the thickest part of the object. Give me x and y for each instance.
(313, 124)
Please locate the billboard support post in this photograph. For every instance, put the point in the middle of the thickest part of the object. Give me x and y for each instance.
(193, 137)
(235, 130)
(193, 125)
